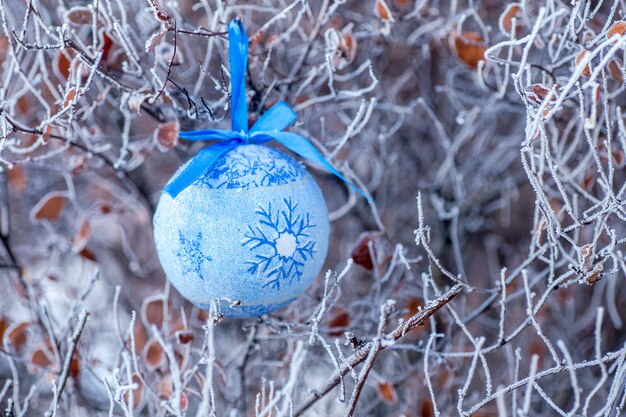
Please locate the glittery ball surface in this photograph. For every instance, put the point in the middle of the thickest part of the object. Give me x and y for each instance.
(251, 233)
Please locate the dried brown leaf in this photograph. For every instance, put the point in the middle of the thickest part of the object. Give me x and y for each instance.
(339, 322)
(382, 11)
(49, 207)
(79, 16)
(506, 18)
(154, 355)
(617, 28)
(154, 40)
(386, 391)
(579, 58)
(470, 48)
(82, 235)
(166, 135)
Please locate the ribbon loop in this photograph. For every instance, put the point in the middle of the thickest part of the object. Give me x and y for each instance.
(238, 58)
(269, 127)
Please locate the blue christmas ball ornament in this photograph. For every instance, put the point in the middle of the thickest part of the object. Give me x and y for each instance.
(241, 224)
(251, 233)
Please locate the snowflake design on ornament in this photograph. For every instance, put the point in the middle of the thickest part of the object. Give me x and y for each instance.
(190, 254)
(281, 242)
(249, 167)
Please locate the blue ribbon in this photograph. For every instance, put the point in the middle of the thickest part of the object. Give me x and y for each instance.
(269, 127)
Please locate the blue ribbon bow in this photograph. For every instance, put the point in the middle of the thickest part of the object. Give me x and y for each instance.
(269, 127)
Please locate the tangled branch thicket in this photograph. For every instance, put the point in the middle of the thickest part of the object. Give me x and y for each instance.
(485, 279)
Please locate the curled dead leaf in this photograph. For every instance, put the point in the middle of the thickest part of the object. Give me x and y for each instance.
(137, 393)
(17, 178)
(339, 322)
(579, 58)
(16, 337)
(70, 96)
(63, 65)
(386, 391)
(166, 135)
(588, 180)
(361, 252)
(75, 366)
(152, 311)
(346, 49)
(154, 355)
(616, 29)
(82, 235)
(382, 11)
(506, 18)
(184, 337)
(4, 324)
(380, 249)
(615, 70)
(585, 253)
(41, 358)
(154, 40)
(596, 274)
(470, 48)
(88, 255)
(618, 157)
(49, 207)
(79, 16)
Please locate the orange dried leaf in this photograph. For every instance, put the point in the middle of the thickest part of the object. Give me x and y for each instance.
(507, 16)
(346, 49)
(340, 319)
(152, 311)
(63, 63)
(16, 336)
(184, 337)
(82, 235)
(386, 392)
(79, 16)
(586, 252)
(470, 47)
(49, 207)
(184, 402)
(427, 409)
(382, 11)
(164, 388)
(361, 252)
(596, 274)
(350, 43)
(88, 255)
(137, 392)
(159, 14)
(618, 157)
(4, 324)
(166, 136)
(579, 58)
(40, 358)
(255, 40)
(154, 355)
(615, 70)
(412, 307)
(402, 3)
(16, 178)
(69, 97)
(588, 180)
(617, 28)
(75, 366)
(154, 40)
